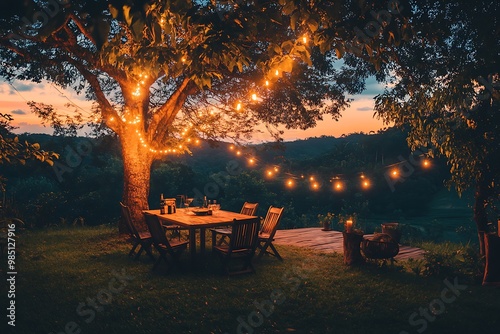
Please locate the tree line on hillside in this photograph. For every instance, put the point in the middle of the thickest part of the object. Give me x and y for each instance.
(85, 185)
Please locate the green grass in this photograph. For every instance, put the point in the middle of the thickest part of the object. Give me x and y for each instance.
(313, 293)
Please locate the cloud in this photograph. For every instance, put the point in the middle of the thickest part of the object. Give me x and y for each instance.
(365, 109)
(19, 112)
(22, 87)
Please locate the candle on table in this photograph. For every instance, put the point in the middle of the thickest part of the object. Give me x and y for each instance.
(348, 226)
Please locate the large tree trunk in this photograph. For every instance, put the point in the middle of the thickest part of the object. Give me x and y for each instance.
(489, 244)
(480, 215)
(137, 162)
(492, 269)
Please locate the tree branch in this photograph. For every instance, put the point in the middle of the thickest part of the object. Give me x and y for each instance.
(166, 114)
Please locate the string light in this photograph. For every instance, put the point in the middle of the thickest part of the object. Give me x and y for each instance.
(254, 97)
(338, 183)
(179, 148)
(338, 186)
(395, 172)
(238, 106)
(426, 163)
(304, 39)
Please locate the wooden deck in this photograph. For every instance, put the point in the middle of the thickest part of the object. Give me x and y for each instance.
(330, 242)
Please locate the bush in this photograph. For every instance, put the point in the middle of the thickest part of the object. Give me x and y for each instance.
(449, 260)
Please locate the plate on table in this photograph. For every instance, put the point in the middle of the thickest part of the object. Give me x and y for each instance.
(200, 212)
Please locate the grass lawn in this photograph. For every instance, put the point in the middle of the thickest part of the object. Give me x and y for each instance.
(80, 280)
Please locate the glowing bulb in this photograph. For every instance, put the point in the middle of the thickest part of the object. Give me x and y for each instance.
(338, 186)
(251, 161)
(365, 184)
(315, 186)
(426, 163)
(304, 39)
(183, 59)
(231, 147)
(276, 169)
(254, 97)
(269, 173)
(277, 73)
(290, 183)
(311, 178)
(267, 83)
(238, 106)
(394, 173)
(238, 153)
(197, 141)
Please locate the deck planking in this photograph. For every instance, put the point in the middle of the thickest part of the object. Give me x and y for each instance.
(331, 242)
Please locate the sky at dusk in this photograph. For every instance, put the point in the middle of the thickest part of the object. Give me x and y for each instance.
(358, 117)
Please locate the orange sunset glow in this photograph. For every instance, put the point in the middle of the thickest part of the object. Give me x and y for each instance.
(357, 118)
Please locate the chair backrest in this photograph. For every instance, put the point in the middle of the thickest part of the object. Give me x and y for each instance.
(128, 220)
(244, 235)
(249, 209)
(272, 220)
(157, 232)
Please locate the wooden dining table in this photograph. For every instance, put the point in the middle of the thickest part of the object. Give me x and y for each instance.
(187, 218)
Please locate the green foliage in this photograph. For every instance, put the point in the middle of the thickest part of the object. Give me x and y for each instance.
(13, 151)
(446, 89)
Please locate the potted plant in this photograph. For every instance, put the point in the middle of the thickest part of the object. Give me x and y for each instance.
(326, 221)
(393, 230)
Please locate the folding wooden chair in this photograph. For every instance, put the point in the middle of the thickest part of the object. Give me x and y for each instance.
(164, 246)
(248, 209)
(267, 232)
(242, 246)
(142, 239)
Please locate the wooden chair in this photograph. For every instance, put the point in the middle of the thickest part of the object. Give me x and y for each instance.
(242, 245)
(248, 209)
(267, 232)
(164, 246)
(142, 239)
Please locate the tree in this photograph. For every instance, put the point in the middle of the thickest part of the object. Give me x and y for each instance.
(165, 73)
(446, 90)
(13, 151)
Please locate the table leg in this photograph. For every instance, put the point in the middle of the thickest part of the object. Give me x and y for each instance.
(202, 241)
(192, 244)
